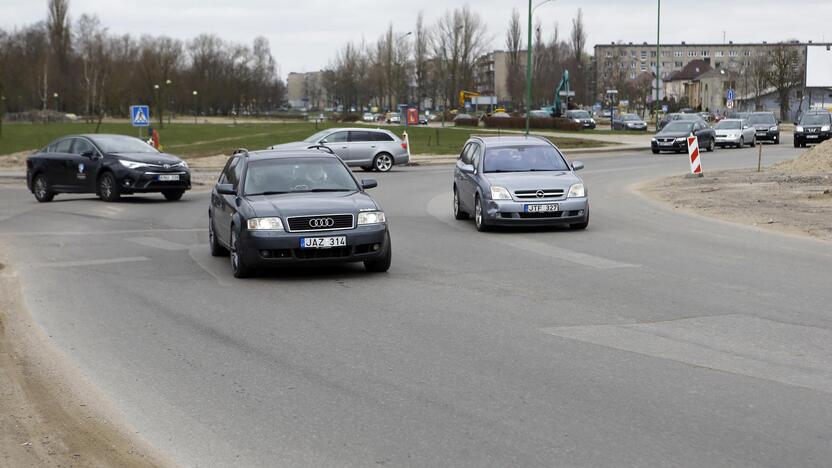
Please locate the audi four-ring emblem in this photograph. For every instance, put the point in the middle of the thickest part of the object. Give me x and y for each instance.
(321, 222)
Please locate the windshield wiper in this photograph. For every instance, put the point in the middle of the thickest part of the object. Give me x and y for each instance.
(274, 192)
(329, 190)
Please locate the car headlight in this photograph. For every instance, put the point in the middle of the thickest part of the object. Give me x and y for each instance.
(825, 128)
(592, 120)
(265, 224)
(181, 164)
(798, 129)
(500, 193)
(576, 191)
(371, 217)
(773, 129)
(653, 139)
(131, 164)
(577, 120)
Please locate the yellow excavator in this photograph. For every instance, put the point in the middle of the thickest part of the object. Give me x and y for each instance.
(464, 95)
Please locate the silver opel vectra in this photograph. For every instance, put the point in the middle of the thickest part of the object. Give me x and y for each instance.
(518, 181)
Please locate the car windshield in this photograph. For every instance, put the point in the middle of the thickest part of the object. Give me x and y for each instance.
(815, 119)
(767, 119)
(679, 127)
(122, 144)
(523, 159)
(580, 115)
(729, 125)
(631, 117)
(308, 174)
(314, 138)
(689, 117)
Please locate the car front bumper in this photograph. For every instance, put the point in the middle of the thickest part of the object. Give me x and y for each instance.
(814, 137)
(135, 181)
(726, 140)
(264, 248)
(676, 146)
(767, 135)
(512, 213)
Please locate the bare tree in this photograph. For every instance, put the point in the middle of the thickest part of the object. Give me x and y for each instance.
(786, 73)
(90, 45)
(514, 45)
(420, 58)
(578, 44)
(60, 42)
(459, 39)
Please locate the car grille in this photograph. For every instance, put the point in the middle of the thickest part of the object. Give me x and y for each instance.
(812, 129)
(320, 222)
(536, 194)
(665, 140)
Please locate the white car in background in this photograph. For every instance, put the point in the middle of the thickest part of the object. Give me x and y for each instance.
(735, 132)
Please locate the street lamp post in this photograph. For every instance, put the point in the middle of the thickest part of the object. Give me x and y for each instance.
(158, 104)
(529, 64)
(165, 96)
(56, 96)
(658, 60)
(195, 93)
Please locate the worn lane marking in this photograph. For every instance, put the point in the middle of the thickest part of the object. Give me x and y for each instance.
(76, 263)
(740, 344)
(440, 208)
(158, 243)
(97, 233)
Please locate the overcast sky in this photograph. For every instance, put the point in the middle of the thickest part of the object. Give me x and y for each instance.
(305, 33)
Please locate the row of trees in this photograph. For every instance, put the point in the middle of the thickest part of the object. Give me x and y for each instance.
(80, 67)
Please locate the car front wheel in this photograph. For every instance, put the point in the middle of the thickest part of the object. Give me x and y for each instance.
(381, 264)
(108, 189)
(217, 250)
(479, 216)
(40, 188)
(173, 195)
(458, 212)
(238, 264)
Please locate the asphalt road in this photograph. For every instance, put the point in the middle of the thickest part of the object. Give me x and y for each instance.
(651, 339)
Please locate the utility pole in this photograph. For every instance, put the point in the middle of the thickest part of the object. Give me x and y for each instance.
(529, 71)
(658, 61)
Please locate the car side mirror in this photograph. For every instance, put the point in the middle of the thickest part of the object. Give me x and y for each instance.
(226, 189)
(577, 166)
(368, 183)
(468, 168)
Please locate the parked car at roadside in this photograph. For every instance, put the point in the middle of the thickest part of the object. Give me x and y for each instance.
(813, 127)
(629, 122)
(518, 181)
(735, 132)
(582, 117)
(107, 165)
(766, 126)
(370, 149)
(272, 208)
(673, 137)
(368, 117)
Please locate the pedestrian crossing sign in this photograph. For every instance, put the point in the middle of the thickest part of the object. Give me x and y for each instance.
(140, 116)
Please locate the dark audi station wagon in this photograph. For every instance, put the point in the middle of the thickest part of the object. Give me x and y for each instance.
(273, 207)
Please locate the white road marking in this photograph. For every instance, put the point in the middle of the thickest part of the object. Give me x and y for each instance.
(97, 233)
(746, 345)
(158, 243)
(440, 208)
(77, 263)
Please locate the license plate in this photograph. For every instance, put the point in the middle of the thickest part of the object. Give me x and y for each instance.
(549, 208)
(811, 136)
(322, 242)
(662, 143)
(168, 178)
(761, 133)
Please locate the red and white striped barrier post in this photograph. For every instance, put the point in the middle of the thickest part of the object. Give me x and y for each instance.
(406, 145)
(693, 153)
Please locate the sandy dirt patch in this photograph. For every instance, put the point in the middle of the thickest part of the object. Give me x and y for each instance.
(792, 196)
(49, 415)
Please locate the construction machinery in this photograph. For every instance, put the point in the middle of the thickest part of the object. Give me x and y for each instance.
(464, 95)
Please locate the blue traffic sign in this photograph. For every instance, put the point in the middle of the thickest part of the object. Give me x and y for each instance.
(730, 94)
(140, 116)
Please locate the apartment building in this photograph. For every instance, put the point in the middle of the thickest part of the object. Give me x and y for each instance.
(306, 90)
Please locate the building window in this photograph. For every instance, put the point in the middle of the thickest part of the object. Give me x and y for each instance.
(732, 53)
(692, 53)
(633, 75)
(644, 67)
(665, 53)
(632, 53)
(677, 53)
(746, 53)
(706, 53)
(652, 53)
(678, 64)
(643, 54)
(718, 53)
(608, 54)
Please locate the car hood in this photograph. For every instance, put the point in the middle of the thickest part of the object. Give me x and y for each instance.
(672, 134)
(149, 158)
(533, 180)
(763, 126)
(727, 131)
(310, 204)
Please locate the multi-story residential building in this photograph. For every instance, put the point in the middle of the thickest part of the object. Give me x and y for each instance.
(491, 74)
(628, 60)
(306, 90)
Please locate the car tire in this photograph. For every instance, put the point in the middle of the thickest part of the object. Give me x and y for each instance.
(776, 140)
(753, 142)
(796, 144)
(458, 212)
(741, 143)
(173, 195)
(217, 250)
(479, 217)
(583, 225)
(41, 189)
(654, 150)
(108, 189)
(710, 147)
(238, 265)
(382, 264)
(383, 162)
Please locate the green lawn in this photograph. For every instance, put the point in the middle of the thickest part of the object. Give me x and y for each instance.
(197, 140)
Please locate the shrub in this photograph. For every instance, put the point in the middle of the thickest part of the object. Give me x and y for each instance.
(539, 123)
(466, 122)
(351, 118)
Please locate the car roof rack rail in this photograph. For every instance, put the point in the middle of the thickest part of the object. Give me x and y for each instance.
(240, 151)
(321, 147)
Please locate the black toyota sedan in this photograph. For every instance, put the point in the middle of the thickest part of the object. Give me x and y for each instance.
(273, 207)
(107, 165)
(673, 137)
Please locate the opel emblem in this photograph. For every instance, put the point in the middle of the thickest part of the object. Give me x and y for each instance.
(321, 222)
(540, 194)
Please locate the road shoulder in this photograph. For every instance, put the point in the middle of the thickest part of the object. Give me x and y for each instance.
(49, 414)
